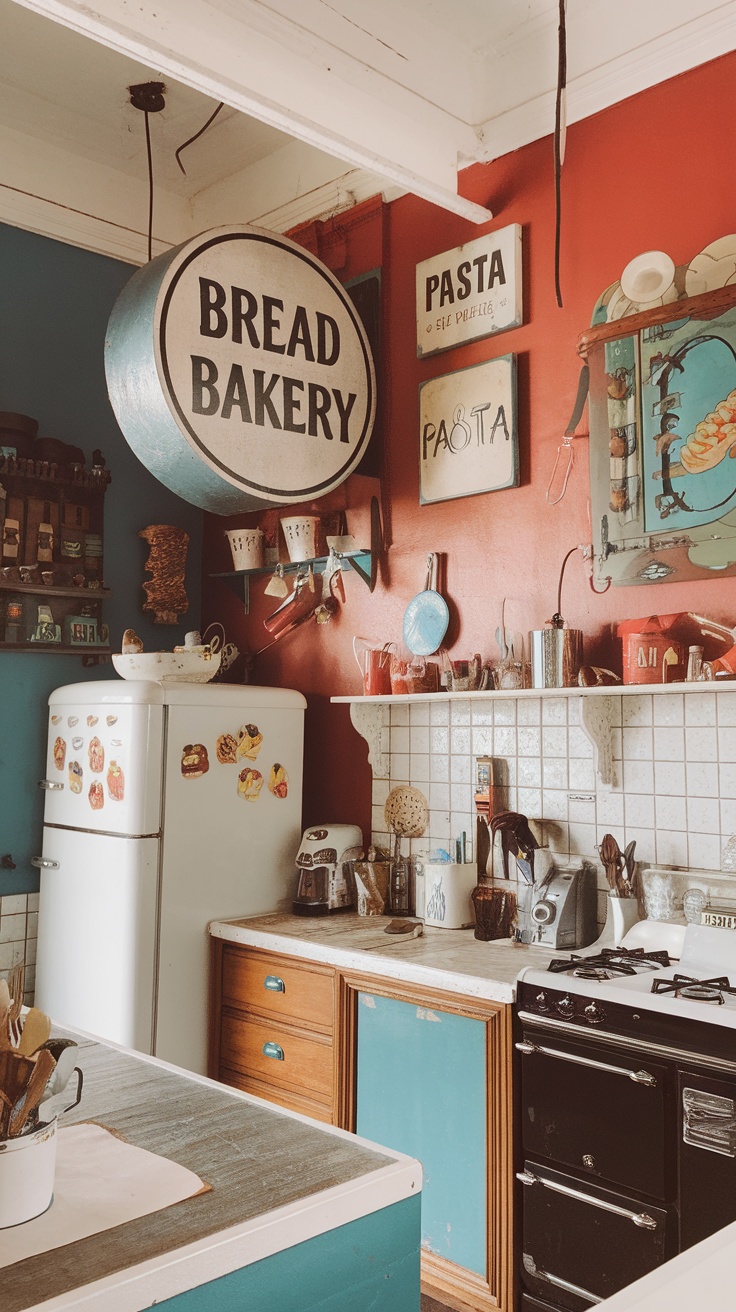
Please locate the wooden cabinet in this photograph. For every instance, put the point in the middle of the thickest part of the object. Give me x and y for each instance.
(424, 1071)
(273, 1029)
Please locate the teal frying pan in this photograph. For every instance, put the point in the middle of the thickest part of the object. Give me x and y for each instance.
(426, 617)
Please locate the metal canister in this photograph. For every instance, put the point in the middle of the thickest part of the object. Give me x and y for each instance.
(557, 655)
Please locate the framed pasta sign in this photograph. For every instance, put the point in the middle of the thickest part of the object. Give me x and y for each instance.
(468, 438)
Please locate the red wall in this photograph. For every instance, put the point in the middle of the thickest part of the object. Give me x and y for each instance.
(654, 172)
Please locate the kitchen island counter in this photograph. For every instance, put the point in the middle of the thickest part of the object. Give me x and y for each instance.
(449, 959)
(296, 1214)
(702, 1276)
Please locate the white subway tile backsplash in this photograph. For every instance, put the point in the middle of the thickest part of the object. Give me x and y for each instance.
(638, 776)
(482, 740)
(701, 710)
(460, 769)
(554, 710)
(14, 904)
(399, 738)
(439, 741)
(12, 927)
(639, 811)
(669, 778)
(419, 739)
(400, 768)
(676, 773)
(460, 741)
(669, 744)
(554, 771)
(671, 813)
(504, 741)
(419, 713)
(33, 901)
(554, 741)
(637, 743)
(726, 709)
(504, 712)
(529, 711)
(702, 778)
(419, 767)
(636, 711)
(459, 712)
(701, 744)
(726, 744)
(439, 712)
(669, 709)
(610, 808)
(703, 815)
(529, 741)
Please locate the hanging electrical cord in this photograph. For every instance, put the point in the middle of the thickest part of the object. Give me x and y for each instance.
(211, 119)
(560, 133)
(149, 98)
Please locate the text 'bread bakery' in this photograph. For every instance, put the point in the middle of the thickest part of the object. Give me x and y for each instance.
(240, 373)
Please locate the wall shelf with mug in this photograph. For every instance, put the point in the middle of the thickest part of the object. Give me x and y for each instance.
(239, 580)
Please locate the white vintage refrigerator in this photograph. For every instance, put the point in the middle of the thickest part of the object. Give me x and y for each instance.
(166, 807)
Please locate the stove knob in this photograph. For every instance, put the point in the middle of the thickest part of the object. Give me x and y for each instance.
(594, 1014)
(541, 1001)
(566, 1007)
(543, 913)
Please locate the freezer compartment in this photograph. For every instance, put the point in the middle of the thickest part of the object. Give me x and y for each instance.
(103, 764)
(582, 1243)
(579, 1103)
(97, 934)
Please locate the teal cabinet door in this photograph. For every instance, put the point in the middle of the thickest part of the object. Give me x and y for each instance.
(421, 1089)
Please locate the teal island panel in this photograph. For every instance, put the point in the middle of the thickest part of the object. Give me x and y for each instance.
(369, 1265)
(421, 1089)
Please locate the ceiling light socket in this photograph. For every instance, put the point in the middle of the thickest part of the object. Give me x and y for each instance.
(148, 97)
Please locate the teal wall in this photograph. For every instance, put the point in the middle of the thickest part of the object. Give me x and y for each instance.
(55, 301)
(370, 1265)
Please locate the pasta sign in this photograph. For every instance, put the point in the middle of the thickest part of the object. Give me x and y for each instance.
(240, 372)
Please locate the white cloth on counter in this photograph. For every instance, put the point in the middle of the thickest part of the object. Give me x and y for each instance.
(101, 1181)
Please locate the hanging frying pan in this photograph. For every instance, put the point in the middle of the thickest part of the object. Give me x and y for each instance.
(426, 617)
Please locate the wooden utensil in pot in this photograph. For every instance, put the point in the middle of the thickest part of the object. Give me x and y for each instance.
(35, 1032)
(26, 1107)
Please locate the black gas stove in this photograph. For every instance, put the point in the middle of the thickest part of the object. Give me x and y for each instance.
(628, 1112)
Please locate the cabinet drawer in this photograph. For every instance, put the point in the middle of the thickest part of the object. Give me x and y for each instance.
(319, 1111)
(270, 1052)
(277, 986)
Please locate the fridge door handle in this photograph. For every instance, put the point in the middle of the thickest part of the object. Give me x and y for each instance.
(50, 785)
(43, 863)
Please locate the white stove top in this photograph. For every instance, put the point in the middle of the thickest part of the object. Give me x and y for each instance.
(707, 953)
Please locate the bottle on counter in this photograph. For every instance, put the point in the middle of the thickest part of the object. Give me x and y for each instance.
(399, 888)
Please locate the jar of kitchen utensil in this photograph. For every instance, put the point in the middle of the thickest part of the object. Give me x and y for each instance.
(27, 1167)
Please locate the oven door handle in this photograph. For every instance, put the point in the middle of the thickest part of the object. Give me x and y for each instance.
(534, 1270)
(642, 1219)
(639, 1077)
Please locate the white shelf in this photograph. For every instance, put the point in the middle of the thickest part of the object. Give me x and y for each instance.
(596, 713)
(493, 694)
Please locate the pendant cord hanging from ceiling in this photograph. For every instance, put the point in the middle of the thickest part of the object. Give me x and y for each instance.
(211, 119)
(149, 98)
(559, 142)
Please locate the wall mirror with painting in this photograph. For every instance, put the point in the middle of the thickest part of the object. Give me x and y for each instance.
(662, 406)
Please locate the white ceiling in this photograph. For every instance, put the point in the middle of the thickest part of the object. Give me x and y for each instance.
(325, 102)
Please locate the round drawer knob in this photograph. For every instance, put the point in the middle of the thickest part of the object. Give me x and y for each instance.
(543, 913)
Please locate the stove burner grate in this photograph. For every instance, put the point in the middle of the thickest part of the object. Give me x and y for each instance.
(695, 990)
(610, 962)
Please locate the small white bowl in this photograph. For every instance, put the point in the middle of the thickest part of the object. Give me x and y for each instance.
(648, 277)
(168, 666)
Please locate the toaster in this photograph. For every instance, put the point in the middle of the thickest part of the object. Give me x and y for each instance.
(562, 910)
(326, 881)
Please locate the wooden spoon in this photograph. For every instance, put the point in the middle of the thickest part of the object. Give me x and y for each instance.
(43, 1068)
(36, 1030)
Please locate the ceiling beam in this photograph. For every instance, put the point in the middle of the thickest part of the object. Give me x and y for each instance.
(265, 65)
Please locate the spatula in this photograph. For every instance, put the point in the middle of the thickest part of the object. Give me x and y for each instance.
(26, 1105)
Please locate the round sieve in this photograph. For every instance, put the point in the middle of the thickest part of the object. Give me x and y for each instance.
(406, 811)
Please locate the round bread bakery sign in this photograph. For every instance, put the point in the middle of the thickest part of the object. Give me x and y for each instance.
(240, 372)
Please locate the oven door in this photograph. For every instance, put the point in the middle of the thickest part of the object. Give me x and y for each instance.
(582, 1243)
(706, 1183)
(594, 1108)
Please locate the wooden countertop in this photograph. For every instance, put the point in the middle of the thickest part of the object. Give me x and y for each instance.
(451, 959)
(277, 1179)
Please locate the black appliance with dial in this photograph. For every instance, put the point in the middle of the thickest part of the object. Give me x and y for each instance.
(628, 1113)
